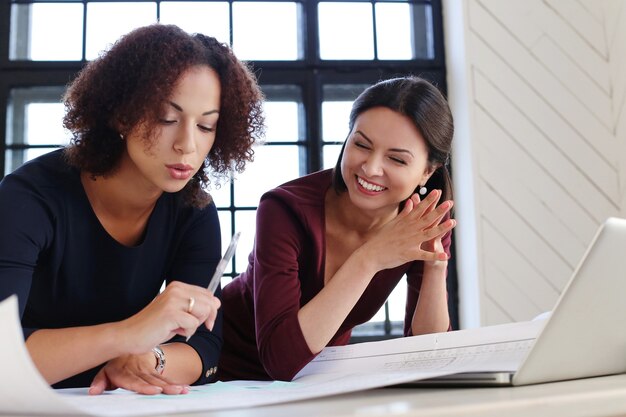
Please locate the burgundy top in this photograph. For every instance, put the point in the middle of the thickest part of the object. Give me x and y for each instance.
(262, 336)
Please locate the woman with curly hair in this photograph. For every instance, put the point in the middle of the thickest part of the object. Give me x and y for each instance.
(91, 232)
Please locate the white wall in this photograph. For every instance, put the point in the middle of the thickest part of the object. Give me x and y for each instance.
(537, 88)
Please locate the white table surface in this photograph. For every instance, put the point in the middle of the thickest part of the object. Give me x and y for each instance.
(603, 396)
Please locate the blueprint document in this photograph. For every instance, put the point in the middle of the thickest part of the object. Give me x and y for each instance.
(336, 370)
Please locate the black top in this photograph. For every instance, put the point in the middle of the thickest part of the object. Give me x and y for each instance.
(68, 271)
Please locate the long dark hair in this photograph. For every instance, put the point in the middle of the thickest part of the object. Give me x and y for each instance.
(421, 102)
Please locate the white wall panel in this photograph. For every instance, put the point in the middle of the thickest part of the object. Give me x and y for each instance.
(573, 44)
(587, 93)
(521, 64)
(589, 28)
(531, 102)
(539, 96)
(544, 169)
(537, 291)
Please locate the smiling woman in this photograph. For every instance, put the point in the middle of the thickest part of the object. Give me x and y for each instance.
(91, 232)
(331, 246)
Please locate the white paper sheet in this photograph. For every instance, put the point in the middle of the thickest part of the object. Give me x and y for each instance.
(22, 389)
(494, 348)
(336, 370)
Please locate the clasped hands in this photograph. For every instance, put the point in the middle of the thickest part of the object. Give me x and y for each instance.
(178, 310)
(414, 234)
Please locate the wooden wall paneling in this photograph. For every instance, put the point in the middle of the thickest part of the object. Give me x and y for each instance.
(494, 312)
(589, 59)
(581, 21)
(532, 105)
(588, 93)
(519, 195)
(594, 8)
(557, 175)
(535, 75)
(518, 268)
(545, 94)
(524, 236)
(519, 307)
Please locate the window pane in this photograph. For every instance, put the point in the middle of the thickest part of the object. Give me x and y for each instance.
(330, 155)
(38, 35)
(272, 166)
(336, 107)
(397, 301)
(35, 117)
(225, 222)
(393, 31)
(380, 316)
(16, 157)
(282, 120)
(245, 222)
(266, 31)
(220, 193)
(107, 22)
(335, 120)
(346, 30)
(44, 124)
(194, 17)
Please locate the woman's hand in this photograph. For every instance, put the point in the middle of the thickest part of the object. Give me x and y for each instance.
(435, 246)
(135, 373)
(178, 310)
(415, 234)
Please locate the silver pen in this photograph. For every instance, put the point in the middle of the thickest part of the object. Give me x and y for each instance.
(223, 263)
(221, 266)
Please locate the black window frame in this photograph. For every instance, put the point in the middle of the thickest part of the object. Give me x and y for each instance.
(310, 74)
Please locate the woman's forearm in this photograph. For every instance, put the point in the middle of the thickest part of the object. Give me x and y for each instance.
(321, 317)
(431, 312)
(61, 353)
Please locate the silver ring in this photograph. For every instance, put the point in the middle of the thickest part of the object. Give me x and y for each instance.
(192, 301)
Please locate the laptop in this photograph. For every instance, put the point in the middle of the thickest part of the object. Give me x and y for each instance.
(583, 336)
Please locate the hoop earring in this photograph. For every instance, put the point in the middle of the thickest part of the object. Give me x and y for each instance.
(422, 190)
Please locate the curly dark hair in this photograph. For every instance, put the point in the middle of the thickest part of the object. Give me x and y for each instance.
(427, 108)
(127, 86)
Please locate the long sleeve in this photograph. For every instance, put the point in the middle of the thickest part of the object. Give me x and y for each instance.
(197, 256)
(27, 231)
(277, 291)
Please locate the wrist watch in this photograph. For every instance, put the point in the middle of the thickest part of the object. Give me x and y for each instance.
(160, 359)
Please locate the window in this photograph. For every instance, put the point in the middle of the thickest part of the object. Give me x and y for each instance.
(313, 58)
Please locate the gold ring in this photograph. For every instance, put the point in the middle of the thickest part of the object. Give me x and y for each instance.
(192, 301)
